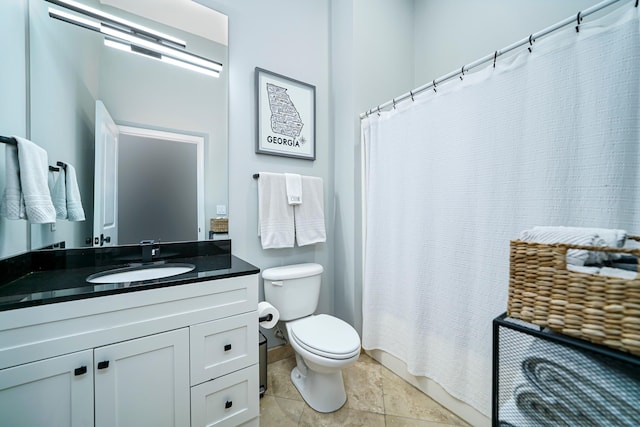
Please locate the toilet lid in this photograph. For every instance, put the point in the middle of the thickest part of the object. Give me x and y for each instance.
(326, 336)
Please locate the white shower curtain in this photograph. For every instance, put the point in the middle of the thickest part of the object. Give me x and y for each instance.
(544, 138)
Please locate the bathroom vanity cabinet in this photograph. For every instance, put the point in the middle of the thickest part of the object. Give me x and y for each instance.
(170, 356)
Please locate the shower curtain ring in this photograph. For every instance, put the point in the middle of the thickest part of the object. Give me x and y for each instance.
(394, 103)
(578, 19)
(434, 85)
(531, 40)
(411, 92)
(462, 73)
(378, 110)
(495, 57)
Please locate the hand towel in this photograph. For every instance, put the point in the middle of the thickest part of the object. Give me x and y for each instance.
(34, 167)
(12, 205)
(58, 193)
(568, 235)
(275, 215)
(294, 188)
(309, 216)
(75, 211)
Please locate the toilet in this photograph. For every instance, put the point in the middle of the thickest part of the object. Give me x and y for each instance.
(323, 344)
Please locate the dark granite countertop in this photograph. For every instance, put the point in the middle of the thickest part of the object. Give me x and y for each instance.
(50, 276)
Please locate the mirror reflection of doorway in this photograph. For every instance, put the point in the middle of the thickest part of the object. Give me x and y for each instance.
(158, 188)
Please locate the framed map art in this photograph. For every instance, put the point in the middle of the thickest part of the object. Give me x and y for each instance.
(286, 114)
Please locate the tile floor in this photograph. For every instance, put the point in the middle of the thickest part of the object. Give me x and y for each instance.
(375, 397)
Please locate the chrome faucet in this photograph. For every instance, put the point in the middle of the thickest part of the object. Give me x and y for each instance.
(148, 250)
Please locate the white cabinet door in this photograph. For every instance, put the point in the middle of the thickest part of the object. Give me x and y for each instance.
(51, 392)
(143, 382)
(223, 346)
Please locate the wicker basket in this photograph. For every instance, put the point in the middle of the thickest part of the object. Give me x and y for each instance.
(601, 309)
(220, 225)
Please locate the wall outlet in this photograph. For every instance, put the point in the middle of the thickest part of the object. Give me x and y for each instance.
(221, 209)
(53, 226)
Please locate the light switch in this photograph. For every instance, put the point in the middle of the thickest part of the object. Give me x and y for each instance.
(221, 209)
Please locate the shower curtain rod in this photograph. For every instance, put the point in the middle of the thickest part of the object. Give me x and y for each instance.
(494, 56)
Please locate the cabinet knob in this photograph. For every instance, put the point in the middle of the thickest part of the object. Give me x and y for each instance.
(228, 405)
(227, 347)
(103, 365)
(80, 371)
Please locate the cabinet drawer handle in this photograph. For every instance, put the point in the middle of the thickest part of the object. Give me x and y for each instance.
(80, 371)
(103, 365)
(228, 405)
(227, 347)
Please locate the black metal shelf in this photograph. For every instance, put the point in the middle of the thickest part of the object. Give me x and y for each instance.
(560, 341)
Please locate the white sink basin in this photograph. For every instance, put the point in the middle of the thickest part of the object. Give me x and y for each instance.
(140, 273)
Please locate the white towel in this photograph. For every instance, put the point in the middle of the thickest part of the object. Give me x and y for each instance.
(569, 235)
(294, 188)
(12, 206)
(309, 216)
(275, 215)
(75, 211)
(58, 193)
(583, 269)
(612, 237)
(619, 272)
(34, 168)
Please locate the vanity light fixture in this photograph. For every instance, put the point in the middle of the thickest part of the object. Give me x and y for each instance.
(130, 37)
(155, 55)
(107, 18)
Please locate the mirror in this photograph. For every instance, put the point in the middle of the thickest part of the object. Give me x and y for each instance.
(71, 69)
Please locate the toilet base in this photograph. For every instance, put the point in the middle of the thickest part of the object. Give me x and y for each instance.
(323, 392)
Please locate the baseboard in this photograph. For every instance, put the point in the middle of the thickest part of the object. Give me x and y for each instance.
(279, 353)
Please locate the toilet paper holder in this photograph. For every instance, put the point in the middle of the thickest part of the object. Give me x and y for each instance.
(267, 318)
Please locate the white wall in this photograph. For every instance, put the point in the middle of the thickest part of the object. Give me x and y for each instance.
(371, 62)
(453, 33)
(291, 38)
(13, 108)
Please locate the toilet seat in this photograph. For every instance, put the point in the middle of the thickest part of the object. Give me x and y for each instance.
(325, 336)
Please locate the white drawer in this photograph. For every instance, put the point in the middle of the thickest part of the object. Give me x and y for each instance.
(223, 346)
(226, 401)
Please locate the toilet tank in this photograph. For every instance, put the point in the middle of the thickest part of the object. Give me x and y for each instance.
(293, 289)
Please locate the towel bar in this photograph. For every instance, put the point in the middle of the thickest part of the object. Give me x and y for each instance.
(8, 140)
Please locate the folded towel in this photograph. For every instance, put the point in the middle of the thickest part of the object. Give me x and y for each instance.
(34, 168)
(540, 410)
(612, 237)
(294, 188)
(619, 272)
(510, 415)
(12, 205)
(569, 235)
(275, 215)
(58, 193)
(583, 269)
(75, 211)
(593, 391)
(309, 216)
